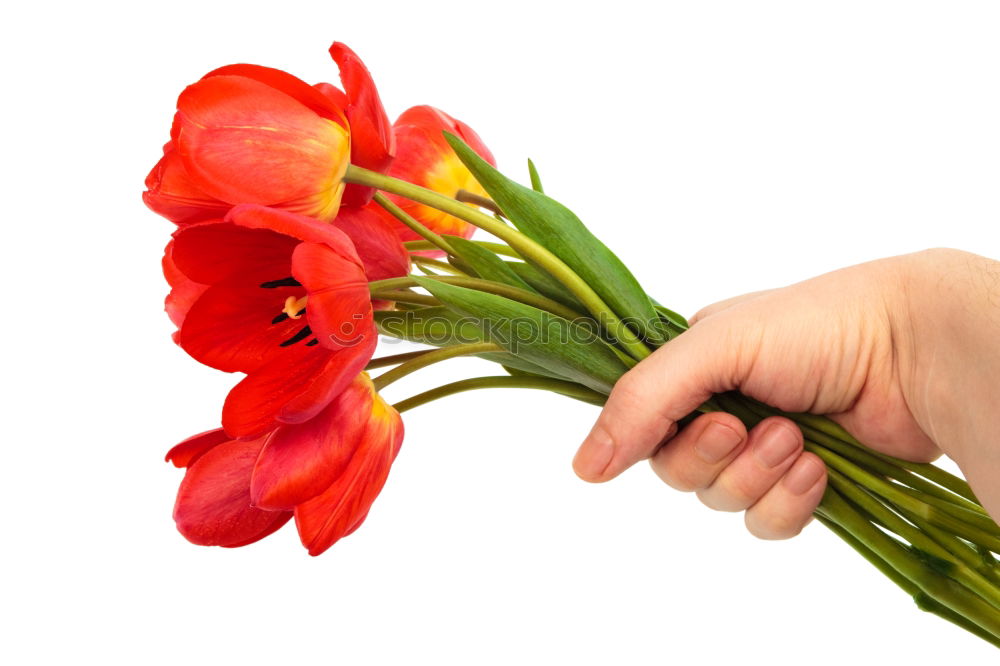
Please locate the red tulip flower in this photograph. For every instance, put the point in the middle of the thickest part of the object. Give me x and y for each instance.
(423, 157)
(252, 134)
(286, 301)
(326, 472)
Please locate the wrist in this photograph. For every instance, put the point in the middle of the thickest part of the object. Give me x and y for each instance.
(949, 327)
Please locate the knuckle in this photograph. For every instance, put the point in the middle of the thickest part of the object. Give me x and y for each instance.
(628, 390)
(701, 314)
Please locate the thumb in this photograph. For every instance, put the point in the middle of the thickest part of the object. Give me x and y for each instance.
(646, 403)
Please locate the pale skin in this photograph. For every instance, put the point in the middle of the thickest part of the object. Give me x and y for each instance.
(903, 352)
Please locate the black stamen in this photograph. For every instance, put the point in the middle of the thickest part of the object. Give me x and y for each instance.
(283, 282)
(280, 318)
(312, 342)
(304, 333)
(300, 312)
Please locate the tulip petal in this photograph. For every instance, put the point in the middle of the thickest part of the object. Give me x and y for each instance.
(372, 141)
(299, 462)
(254, 241)
(211, 252)
(424, 157)
(309, 96)
(370, 228)
(243, 141)
(340, 308)
(292, 388)
(340, 509)
(275, 526)
(302, 227)
(332, 93)
(194, 447)
(438, 121)
(330, 381)
(184, 292)
(213, 501)
(232, 326)
(171, 193)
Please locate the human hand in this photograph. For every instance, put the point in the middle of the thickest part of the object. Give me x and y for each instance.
(864, 345)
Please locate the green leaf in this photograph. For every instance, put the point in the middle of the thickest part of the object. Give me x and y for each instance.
(536, 181)
(670, 316)
(554, 226)
(558, 345)
(545, 284)
(485, 264)
(435, 326)
(442, 327)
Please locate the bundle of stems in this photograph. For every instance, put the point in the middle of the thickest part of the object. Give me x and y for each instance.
(918, 524)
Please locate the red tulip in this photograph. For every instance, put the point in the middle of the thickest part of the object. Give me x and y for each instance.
(343, 506)
(213, 502)
(424, 157)
(328, 471)
(287, 302)
(252, 134)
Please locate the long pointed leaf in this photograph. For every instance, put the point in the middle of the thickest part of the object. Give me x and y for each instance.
(487, 265)
(442, 327)
(551, 224)
(545, 284)
(536, 180)
(539, 337)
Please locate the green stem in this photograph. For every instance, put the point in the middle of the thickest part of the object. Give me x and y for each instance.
(411, 222)
(431, 357)
(488, 286)
(940, 589)
(442, 266)
(570, 389)
(917, 538)
(405, 296)
(404, 307)
(904, 502)
(977, 517)
(395, 359)
(960, 548)
(495, 248)
(524, 245)
(923, 601)
(466, 196)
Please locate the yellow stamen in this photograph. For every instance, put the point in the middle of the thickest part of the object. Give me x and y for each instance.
(295, 306)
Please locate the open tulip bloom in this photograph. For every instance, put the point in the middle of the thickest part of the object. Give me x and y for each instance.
(301, 213)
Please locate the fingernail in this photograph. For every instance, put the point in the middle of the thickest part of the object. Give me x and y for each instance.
(803, 475)
(775, 445)
(716, 442)
(594, 455)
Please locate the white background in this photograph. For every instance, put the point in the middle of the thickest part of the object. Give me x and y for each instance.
(717, 147)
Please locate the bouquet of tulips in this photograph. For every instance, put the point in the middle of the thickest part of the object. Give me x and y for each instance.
(307, 224)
